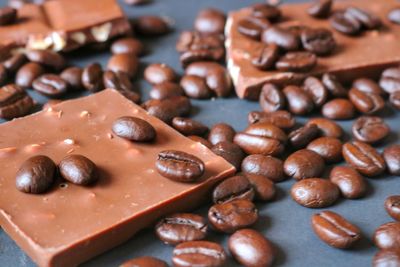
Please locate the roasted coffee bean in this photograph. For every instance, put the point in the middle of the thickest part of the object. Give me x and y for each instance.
(266, 58)
(367, 103)
(198, 253)
(14, 102)
(189, 40)
(370, 129)
(280, 118)
(14, 63)
(250, 248)
(126, 63)
(151, 25)
(333, 85)
(329, 148)
(217, 77)
(50, 85)
(316, 89)
(387, 236)
(179, 166)
(395, 100)
(394, 15)
(253, 27)
(127, 45)
(181, 227)
(201, 54)
(3, 75)
(264, 188)
(168, 108)
(297, 62)
(364, 158)
(335, 230)
(47, 58)
(327, 128)
(117, 80)
(261, 138)
(8, 15)
(132, 96)
(344, 23)
(200, 140)
(267, 11)
(188, 126)
(230, 216)
(392, 206)
(195, 87)
(145, 261)
(221, 132)
(92, 77)
(315, 193)
(299, 102)
(236, 187)
(391, 155)
(73, 76)
(36, 175)
(210, 21)
(387, 258)
(158, 73)
(301, 137)
(304, 164)
(271, 98)
(281, 37)
(320, 8)
(368, 86)
(166, 90)
(390, 80)
(230, 152)
(267, 166)
(338, 109)
(367, 20)
(137, 3)
(134, 129)
(78, 169)
(351, 184)
(318, 41)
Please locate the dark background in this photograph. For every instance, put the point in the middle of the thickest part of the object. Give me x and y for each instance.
(284, 222)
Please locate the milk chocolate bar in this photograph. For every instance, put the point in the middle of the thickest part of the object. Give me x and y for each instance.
(63, 25)
(355, 56)
(71, 224)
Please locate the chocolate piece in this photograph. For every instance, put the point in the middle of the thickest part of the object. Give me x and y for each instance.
(128, 196)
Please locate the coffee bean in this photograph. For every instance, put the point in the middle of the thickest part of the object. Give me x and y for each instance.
(304, 164)
(145, 261)
(200, 55)
(297, 62)
(8, 15)
(344, 23)
(367, 103)
(266, 58)
(198, 253)
(364, 158)
(390, 80)
(47, 58)
(179, 166)
(168, 108)
(301, 137)
(335, 230)
(194, 41)
(267, 166)
(367, 20)
(395, 100)
(158, 73)
(236, 187)
(132, 96)
(78, 169)
(166, 90)
(181, 227)
(137, 3)
(134, 129)
(394, 15)
(264, 188)
(195, 87)
(299, 102)
(200, 140)
(316, 89)
(271, 98)
(14, 102)
(387, 236)
(28, 73)
(281, 37)
(280, 118)
(210, 21)
(117, 80)
(36, 175)
(370, 129)
(253, 27)
(221, 132)
(73, 76)
(351, 184)
(124, 63)
(327, 128)
(14, 63)
(391, 155)
(315, 193)
(250, 248)
(127, 45)
(261, 138)
(3, 75)
(50, 85)
(368, 86)
(320, 8)
(333, 85)
(230, 216)
(338, 109)
(230, 152)
(318, 41)
(329, 148)
(92, 77)
(151, 25)
(392, 206)
(387, 258)
(188, 126)
(267, 11)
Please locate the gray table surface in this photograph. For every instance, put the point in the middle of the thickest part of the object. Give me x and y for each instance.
(282, 221)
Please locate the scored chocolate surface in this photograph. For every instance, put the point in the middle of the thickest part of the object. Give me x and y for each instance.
(363, 55)
(71, 223)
